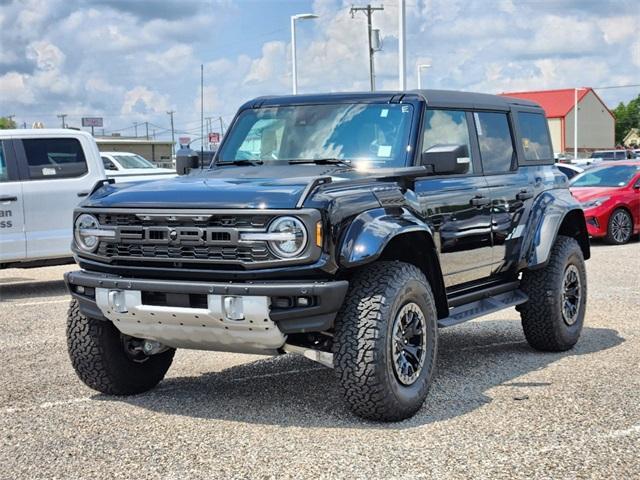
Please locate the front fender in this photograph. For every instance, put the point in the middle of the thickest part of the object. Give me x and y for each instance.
(370, 232)
(548, 214)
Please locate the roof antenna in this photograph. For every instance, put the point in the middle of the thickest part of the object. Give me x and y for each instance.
(201, 116)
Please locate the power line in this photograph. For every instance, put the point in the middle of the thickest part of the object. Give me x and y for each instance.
(617, 86)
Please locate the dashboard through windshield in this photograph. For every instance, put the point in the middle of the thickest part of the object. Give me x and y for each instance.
(368, 135)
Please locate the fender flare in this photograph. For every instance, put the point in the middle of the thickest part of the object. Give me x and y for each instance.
(547, 220)
(371, 231)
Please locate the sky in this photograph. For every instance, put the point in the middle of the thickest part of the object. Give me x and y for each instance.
(132, 61)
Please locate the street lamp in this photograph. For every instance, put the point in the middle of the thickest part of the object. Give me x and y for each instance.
(420, 67)
(575, 122)
(294, 73)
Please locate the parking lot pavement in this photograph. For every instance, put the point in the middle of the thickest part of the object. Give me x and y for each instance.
(496, 410)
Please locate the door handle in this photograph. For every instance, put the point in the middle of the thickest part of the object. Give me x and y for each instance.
(524, 194)
(480, 200)
(8, 199)
(83, 194)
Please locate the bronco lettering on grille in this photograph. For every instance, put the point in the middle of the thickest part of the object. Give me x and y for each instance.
(176, 235)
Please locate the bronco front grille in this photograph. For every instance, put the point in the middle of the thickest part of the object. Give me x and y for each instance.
(194, 239)
(177, 238)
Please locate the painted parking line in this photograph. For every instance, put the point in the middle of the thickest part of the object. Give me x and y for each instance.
(29, 304)
(45, 405)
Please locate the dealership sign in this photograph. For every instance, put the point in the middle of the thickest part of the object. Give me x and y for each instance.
(92, 121)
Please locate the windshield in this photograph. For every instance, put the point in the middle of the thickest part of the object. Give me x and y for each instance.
(616, 176)
(133, 161)
(374, 135)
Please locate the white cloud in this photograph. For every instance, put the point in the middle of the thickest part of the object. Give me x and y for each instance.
(14, 86)
(46, 55)
(270, 66)
(142, 101)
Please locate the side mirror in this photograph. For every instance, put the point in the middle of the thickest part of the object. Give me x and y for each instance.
(184, 163)
(447, 159)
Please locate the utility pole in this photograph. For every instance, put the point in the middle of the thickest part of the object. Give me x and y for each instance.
(173, 137)
(62, 116)
(146, 125)
(368, 12)
(221, 128)
(135, 126)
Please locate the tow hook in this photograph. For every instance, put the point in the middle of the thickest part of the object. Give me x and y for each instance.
(151, 347)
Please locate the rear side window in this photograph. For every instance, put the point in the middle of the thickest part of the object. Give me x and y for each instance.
(535, 140)
(494, 138)
(4, 172)
(50, 158)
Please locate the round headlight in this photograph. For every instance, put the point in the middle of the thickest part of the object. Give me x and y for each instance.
(293, 237)
(85, 239)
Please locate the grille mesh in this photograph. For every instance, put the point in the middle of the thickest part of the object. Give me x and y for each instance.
(135, 251)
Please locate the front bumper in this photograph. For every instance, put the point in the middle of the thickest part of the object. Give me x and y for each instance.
(597, 220)
(325, 298)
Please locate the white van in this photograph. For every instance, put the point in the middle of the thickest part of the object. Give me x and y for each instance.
(44, 174)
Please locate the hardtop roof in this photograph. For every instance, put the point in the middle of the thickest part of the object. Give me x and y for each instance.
(434, 98)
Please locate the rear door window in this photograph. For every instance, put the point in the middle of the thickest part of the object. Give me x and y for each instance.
(534, 137)
(495, 141)
(50, 158)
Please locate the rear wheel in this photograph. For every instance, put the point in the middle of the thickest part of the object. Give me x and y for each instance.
(620, 227)
(108, 361)
(553, 316)
(386, 341)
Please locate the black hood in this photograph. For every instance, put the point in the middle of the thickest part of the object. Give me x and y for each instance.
(224, 187)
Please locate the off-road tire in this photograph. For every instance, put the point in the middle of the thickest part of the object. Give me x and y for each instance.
(610, 238)
(542, 319)
(99, 359)
(362, 343)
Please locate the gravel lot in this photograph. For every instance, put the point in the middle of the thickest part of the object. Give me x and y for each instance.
(496, 410)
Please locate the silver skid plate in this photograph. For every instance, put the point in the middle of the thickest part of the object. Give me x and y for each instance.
(196, 328)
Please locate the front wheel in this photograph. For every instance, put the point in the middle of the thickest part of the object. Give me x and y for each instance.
(553, 316)
(107, 361)
(386, 341)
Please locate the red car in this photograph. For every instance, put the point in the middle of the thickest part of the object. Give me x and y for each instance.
(610, 197)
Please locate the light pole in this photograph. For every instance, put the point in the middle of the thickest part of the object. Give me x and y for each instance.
(420, 67)
(294, 73)
(575, 122)
(402, 51)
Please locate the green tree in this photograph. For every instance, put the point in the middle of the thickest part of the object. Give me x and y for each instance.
(6, 122)
(627, 117)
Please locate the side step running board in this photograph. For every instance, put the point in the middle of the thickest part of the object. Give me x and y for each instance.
(484, 306)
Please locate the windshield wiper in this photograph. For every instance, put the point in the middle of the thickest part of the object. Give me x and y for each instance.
(322, 161)
(243, 161)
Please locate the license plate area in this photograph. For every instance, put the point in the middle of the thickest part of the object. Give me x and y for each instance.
(185, 300)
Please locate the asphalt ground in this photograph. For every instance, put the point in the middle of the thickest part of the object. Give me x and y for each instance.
(497, 409)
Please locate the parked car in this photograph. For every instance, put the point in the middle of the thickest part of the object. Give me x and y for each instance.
(610, 196)
(569, 170)
(44, 173)
(126, 164)
(599, 156)
(343, 227)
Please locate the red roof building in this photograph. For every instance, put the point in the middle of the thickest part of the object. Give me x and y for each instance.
(596, 123)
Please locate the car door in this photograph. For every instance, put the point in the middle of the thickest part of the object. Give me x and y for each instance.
(56, 178)
(12, 236)
(456, 206)
(510, 187)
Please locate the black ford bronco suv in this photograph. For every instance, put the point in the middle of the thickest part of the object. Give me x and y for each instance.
(343, 227)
